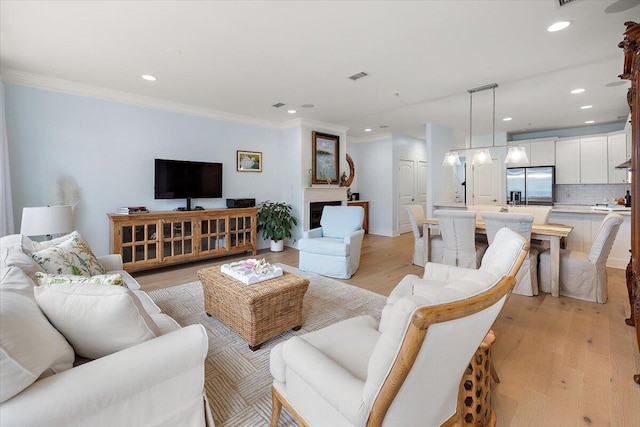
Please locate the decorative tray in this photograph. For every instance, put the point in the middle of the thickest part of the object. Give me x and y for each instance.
(251, 271)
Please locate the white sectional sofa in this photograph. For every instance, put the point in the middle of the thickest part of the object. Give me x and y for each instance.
(158, 381)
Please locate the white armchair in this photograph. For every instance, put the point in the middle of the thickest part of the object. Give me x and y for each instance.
(405, 372)
(504, 258)
(334, 248)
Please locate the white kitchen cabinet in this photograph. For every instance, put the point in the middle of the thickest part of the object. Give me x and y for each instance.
(593, 160)
(543, 153)
(568, 161)
(539, 152)
(617, 146)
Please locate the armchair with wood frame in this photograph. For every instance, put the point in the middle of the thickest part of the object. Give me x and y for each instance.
(403, 371)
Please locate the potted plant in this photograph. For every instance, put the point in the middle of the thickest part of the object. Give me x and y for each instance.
(275, 221)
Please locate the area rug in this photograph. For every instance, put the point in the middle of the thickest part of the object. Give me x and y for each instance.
(237, 380)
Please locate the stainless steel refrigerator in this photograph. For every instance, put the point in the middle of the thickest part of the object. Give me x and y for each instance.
(531, 185)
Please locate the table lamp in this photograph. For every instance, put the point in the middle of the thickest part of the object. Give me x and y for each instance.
(46, 220)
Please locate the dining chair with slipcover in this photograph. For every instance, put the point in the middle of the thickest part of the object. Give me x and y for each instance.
(527, 277)
(584, 275)
(416, 217)
(458, 231)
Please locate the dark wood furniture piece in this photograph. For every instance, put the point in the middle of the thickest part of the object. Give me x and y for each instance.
(158, 239)
(631, 71)
(365, 205)
(255, 312)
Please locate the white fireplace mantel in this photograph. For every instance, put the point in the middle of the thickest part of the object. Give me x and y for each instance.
(324, 193)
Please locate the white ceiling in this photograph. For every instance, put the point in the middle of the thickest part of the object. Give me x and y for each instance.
(422, 56)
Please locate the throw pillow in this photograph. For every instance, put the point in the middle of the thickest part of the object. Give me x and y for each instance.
(13, 256)
(100, 279)
(46, 244)
(97, 320)
(72, 256)
(30, 347)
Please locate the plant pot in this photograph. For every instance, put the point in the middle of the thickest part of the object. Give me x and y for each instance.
(277, 246)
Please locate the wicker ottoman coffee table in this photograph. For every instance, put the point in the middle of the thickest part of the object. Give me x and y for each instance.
(255, 312)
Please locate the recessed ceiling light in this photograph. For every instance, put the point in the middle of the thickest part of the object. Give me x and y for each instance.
(149, 77)
(367, 130)
(291, 111)
(560, 25)
(507, 119)
(586, 107)
(589, 122)
(308, 105)
(579, 90)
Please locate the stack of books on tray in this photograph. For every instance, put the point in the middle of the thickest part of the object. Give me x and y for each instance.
(126, 210)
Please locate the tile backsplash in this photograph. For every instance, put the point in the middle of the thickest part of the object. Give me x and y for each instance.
(589, 194)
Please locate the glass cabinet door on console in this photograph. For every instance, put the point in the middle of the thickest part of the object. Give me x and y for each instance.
(177, 239)
(213, 233)
(139, 243)
(240, 232)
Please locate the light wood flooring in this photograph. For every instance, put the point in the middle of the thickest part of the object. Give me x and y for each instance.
(561, 361)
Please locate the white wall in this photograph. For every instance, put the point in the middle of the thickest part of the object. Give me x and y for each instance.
(109, 148)
(374, 175)
(289, 152)
(440, 178)
(376, 164)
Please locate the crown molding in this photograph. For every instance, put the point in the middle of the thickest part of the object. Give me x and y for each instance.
(66, 86)
(322, 125)
(372, 138)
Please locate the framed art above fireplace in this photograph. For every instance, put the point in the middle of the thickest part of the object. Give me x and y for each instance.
(325, 150)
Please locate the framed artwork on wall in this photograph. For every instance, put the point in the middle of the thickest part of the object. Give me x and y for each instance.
(249, 161)
(325, 150)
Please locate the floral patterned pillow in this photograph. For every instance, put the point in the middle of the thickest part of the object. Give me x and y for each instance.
(100, 279)
(73, 256)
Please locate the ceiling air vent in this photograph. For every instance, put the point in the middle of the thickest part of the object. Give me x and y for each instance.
(358, 76)
(561, 3)
(278, 105)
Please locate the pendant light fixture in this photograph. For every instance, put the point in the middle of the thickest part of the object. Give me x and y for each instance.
(482, 156)
(451, 158)
(517, 156)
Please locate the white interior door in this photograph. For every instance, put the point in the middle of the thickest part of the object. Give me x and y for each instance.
(406, 192)
(486, 183)
(422, 183)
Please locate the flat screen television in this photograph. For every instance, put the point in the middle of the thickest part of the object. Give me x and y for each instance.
(180, 179)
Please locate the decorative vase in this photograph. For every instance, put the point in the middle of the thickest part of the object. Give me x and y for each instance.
(277, 246)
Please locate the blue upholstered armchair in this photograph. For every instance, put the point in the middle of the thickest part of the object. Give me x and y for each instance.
(334, 249)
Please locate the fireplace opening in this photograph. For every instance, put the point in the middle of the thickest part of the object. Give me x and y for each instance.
(315, 212)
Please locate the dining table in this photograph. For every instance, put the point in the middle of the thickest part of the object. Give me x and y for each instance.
(552, 233)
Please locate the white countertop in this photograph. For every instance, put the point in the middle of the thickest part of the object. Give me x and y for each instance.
(558, 207)
(589, 209)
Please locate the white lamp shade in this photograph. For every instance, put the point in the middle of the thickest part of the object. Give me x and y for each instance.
(40, 221)
(517, 156)
(451, 159)
(482, 157)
